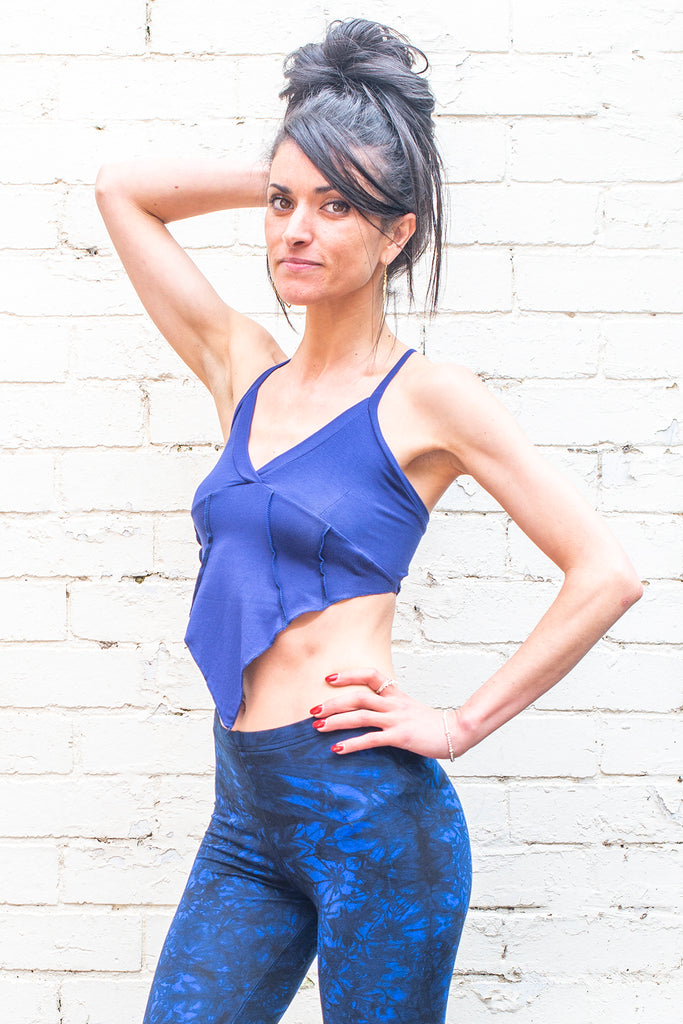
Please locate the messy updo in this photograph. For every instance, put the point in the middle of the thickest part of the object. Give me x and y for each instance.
(363, 117)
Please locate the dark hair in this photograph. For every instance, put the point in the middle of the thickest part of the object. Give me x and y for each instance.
(356, 95)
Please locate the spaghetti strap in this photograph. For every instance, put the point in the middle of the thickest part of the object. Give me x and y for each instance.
(379, 390)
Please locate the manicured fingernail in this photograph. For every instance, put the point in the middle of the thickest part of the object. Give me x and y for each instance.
(316, 710)
(331, 678)
(319, 724)
(337, 748)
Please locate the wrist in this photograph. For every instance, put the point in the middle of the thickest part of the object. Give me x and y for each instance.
(457, 736)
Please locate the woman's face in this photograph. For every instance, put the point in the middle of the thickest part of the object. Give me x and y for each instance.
(319, 247)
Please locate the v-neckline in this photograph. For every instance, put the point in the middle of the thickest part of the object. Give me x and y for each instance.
(319, 435)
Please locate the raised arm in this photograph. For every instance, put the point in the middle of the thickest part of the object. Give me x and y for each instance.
(224, 348)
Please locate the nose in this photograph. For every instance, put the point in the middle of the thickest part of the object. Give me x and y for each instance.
(299, 227)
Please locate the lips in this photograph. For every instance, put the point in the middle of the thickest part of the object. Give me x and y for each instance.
(296, 263)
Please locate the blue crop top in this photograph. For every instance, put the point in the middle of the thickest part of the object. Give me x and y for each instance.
(331, 518)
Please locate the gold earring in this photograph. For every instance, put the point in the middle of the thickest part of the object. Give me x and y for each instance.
(280, 299)
(384, 288)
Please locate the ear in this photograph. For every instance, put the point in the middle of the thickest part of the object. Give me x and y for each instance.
(399, 233)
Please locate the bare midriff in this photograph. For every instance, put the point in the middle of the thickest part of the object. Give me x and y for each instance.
(288, 679)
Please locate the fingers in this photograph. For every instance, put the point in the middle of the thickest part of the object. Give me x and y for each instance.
(370, 677)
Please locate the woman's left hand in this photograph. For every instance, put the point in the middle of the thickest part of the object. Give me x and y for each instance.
(404, 722)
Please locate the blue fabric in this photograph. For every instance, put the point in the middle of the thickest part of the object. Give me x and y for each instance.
(363, 858)
(331, 518)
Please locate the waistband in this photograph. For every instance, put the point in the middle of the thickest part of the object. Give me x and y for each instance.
(281, 736)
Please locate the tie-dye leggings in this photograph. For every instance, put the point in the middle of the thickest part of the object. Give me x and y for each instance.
(362, 858)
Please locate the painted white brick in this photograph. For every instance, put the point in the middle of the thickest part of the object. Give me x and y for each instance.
(610, 149)
(472, 150)
(514, 84)
(611, 282)
(71, 941)
(444, 678)
(641, 347)
(30, 1000)
(484, 805)
(75, 807)
(483, 611)
(176, 551)
(259, 81)
(622, 678)
(146, 480)
(33, 743)
(185, 805)
(28, 218)
(119, 347)
(40, 27)
(178, 682)
(536, 745)
(70, 675)
(150, 610)
(656, 618)
(154, 744)
(63, 284)
(28, 873)
(460, 545)
(86, 1000)
(641, 480)
(476, 27)
(582, 26)
(79, 545)
(126, 874)
(523, 214)
(32, 611)
(654, 543)
(477, 280)
(643, 217)
(640, 745)
(625, 811)
(42, 415)
(33, 349)
(182, 413)
(29, 481)
(27, 88)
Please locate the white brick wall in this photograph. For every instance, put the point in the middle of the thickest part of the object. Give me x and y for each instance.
(560, 126)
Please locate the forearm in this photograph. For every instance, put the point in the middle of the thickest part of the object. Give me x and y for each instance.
(585, 608)
(176, 189)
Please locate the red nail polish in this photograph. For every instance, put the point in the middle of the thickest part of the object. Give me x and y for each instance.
(331, 678)
(319, 723)
(316, 710)
(337, 748)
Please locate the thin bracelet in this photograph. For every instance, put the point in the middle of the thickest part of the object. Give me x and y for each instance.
(448, 732)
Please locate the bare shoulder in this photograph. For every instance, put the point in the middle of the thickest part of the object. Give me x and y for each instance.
(451, 398)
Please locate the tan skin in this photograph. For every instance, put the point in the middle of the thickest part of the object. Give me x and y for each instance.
(438, 419)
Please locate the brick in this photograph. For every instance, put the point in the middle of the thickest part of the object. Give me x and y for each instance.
(27, 89)
(156, 743)
(70, 675)
(30, 1000)
(472, 150)
(84, 545)
(654, 543)
(611, 282)
(176, 551)
(641, 745)
(141, 481)
(156, 926)
(108, 941)
(259, 81)
(512, 346)
(185, 804)
(150, 610)
(655, 619)
(458, 544)
(645, 479)
(158, 88)
(32, 610)
(535, 745)
(35, 743)
(583, 27)
(629, 811)
(523, 214)
(643, 217)
(613, 149)
(483, 611)
(45, 415)
(59, 284)
(444, 678)
(484, 805)
(480, 27)
(611, 676)
(514, 84)
(29, 873)
(87, 1000)
(119, 347)
(90, 807)
(622, 413)
(126, 874)
(28, 218)
(178, 682)
(641, 347)
(478, 280)
(182, 413)
(29, 478)
(38, 27)
(34, 349)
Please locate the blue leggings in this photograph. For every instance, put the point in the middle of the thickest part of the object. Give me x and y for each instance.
(362, 858)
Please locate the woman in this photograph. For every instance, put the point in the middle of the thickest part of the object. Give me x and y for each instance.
(335, 829)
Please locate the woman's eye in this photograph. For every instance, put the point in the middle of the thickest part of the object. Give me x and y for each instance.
(279, 202)
(339, 206)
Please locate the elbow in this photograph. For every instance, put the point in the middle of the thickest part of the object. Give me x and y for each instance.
(624, 587)
(107, 183)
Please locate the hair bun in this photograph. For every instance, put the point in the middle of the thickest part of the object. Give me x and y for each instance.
(357, 56)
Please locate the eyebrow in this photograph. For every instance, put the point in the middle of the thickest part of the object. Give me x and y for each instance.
(321, 189)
